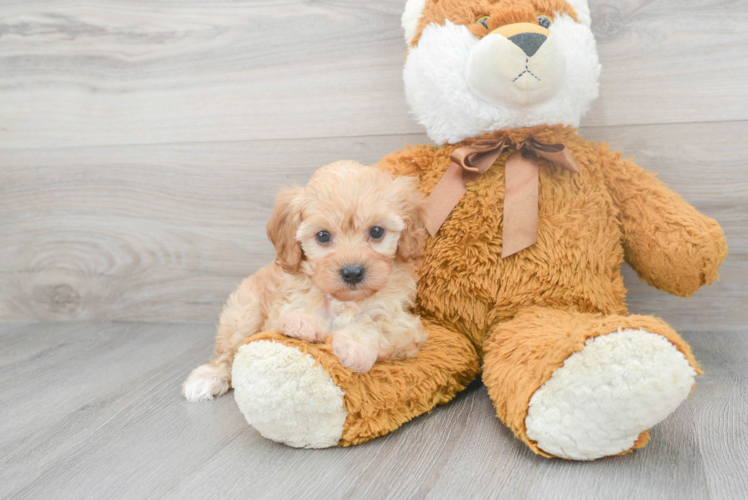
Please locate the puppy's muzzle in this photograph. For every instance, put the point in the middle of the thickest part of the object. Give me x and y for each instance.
(353, 274)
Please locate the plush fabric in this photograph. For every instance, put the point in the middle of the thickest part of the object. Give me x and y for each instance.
(286, 396)
(500, 13)
(440, 77)
(528, 313)
(569, 371)
(390, 394)
(587, 224)
(525, 315)
(523, 353)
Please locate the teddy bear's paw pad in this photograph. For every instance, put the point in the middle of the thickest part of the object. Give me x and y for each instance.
(286, 396)
(604, 396)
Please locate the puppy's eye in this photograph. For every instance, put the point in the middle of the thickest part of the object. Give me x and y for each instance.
(545, 21)
(323, 237)
(376, 233)
(483, 21)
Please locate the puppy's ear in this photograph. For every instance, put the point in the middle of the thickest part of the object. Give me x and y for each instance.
(412, 203)
(282, 228)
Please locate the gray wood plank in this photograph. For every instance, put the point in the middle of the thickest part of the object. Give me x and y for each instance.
(146, 233)
(94, 411)
(52, 356)
(718, 412)
(165, 232)
(167, 71)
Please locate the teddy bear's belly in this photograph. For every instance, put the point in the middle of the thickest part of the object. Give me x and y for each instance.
(574, 264)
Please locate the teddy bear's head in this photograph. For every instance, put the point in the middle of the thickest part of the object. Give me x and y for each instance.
(475, 66)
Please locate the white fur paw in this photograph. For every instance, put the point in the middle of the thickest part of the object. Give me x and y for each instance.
(287, 396)
(604, 396)
(204, 383)
(353, 355)
(300, 326)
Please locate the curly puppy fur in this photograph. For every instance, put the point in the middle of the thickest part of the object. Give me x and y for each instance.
(304, 293)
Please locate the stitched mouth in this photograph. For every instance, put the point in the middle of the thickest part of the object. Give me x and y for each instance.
(527, 70)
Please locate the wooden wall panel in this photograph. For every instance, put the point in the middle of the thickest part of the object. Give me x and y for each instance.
(164, 232)
(146, 233)
(145, 72)
(141, 142)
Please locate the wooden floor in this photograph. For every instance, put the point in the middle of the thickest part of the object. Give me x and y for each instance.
(95, 411)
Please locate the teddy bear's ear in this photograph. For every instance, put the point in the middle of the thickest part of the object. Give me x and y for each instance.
(410, 18)
(583, 11)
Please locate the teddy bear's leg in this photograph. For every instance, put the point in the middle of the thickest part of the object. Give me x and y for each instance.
(584, 386)
(299, 394)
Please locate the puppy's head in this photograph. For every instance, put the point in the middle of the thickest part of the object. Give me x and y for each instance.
(347, 228)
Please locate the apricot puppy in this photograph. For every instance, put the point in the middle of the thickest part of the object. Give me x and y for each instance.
(346, 247)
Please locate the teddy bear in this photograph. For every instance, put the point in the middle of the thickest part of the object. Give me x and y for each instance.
(529, 224)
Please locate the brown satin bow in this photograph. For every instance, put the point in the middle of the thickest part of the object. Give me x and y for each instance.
(521, 194)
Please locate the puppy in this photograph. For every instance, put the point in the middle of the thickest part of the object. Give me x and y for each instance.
(346, 247)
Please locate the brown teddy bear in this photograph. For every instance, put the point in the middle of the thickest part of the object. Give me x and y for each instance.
(530, 224)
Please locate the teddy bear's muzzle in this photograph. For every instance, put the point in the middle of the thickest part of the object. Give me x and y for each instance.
(516, 64)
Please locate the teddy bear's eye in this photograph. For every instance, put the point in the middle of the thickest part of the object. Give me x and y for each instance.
(323, 237)
(483, 21)
(545, 21)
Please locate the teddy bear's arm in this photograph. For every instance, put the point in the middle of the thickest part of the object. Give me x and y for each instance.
(666, 240)
(409, 161)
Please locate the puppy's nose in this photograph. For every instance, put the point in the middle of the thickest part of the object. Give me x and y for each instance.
(352, 274)
(528, 42)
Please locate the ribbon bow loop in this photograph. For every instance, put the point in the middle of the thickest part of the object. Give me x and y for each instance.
(554, 153)
(478, 157)
(521, 196)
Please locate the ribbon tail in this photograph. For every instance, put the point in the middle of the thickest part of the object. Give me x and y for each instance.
(444, 198)
(520, 223)
(468, 164)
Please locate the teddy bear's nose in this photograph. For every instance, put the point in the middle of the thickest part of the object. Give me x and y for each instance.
(528, 42)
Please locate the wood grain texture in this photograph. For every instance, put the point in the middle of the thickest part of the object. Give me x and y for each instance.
(94, 411)
(165, 232)
(146, 233)
(168, 71)
(141, 142)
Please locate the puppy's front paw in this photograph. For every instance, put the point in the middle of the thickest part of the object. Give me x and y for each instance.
(301, 326)
(353, 355)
